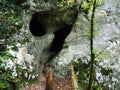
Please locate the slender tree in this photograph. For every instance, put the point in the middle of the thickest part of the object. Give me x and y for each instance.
(91, 79)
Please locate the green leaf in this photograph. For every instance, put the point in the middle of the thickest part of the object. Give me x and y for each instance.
(100, 2)
(101, 55)
(2, 85)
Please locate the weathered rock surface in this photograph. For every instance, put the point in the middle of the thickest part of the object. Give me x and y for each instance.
(77, 44)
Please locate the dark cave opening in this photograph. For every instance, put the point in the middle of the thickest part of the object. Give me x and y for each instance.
(38, 28)
(59, 38)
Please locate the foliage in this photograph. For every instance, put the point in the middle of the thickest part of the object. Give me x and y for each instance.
(7, 81)
(67, 4)
(101, 55)
(91, 6)
(81, 70)
(11, 73)
(10, 23)
(87, 71)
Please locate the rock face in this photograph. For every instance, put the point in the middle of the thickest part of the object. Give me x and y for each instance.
(58, 22)
(107, 40)
(46, 22)
(77, 43)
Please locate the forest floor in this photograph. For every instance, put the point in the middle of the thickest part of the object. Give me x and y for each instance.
(56, 84)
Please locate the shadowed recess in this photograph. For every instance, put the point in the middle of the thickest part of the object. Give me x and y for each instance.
(53, 21)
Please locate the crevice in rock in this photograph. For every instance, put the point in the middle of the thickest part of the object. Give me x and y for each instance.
(56, 22)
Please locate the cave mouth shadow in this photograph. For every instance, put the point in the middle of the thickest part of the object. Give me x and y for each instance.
(37, 27)
(58, 41)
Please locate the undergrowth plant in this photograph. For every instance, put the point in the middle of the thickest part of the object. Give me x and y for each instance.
(10, 23)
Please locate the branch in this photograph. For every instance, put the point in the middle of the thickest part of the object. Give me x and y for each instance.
(101, 51)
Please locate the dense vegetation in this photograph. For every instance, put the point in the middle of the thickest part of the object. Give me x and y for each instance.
(10, 24)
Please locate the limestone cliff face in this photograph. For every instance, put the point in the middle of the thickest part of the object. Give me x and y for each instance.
(77, 43)
(107, 39)
(53, 18)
